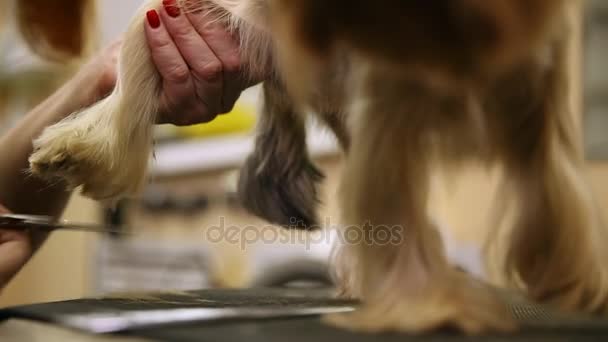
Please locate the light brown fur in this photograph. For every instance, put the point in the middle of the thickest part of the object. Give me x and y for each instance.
(404, 85)
(500, 95)
(58, 30)
(61, 31)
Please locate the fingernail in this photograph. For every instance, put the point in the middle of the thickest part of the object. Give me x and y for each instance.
(171, 8)
(153, 19)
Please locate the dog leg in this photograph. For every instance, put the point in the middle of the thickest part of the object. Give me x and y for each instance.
(556, 248)
(278, 181)
(106, 148)
(558, 245)
(406, 283)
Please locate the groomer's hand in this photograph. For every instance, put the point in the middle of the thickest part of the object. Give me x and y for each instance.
(16, 248)
(199, 62)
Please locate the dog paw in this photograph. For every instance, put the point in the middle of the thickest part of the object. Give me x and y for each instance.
(59, 154)
(466, 306)
(70, 153)
(588, 294)
(288, 200)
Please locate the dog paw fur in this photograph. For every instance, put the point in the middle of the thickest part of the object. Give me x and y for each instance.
(84, 153)
(289, 200)
(459, 303)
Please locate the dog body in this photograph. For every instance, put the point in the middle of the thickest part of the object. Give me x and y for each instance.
(490, 83)
(447, 81)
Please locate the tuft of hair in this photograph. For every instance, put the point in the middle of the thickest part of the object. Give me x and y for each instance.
(278, 182)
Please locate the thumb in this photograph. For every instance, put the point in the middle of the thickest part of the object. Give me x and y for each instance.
(15, 251)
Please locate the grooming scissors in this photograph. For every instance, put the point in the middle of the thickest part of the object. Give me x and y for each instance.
(49, 224)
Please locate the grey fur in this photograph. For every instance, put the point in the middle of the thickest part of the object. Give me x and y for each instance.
(278, 181)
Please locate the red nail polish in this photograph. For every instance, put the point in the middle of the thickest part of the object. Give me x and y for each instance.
(171, 8)
(153, 19)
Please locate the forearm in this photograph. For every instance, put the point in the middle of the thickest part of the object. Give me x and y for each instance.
(20, 192)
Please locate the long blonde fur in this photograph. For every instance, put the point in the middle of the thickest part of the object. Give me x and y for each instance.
(106, 148)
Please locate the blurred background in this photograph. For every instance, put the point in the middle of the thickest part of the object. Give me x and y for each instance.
(595, 78)
(194, 178)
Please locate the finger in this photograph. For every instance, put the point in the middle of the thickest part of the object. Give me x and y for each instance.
(167, 58)
(226, 47)
(204, 64)
(223, 43)
(35, 238)
(15, 251)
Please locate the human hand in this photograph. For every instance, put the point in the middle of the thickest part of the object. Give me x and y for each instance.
(97, 78)
(199, 62)
(16, 248)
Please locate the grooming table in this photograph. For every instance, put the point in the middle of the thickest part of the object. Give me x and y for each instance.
(539, 323)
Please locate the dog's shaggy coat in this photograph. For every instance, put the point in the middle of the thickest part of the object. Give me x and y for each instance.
(57, 30)
(60, 31)
(405, 85)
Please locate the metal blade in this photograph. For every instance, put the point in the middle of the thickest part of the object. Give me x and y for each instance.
(48, 223)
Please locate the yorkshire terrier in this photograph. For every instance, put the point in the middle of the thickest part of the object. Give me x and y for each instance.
(405, 85)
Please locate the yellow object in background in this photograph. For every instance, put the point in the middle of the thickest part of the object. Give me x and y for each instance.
(241, 119)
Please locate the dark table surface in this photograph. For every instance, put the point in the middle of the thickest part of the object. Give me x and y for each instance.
(538, 323)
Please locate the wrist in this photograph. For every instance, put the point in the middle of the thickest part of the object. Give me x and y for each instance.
(82, 91)
(75, 94)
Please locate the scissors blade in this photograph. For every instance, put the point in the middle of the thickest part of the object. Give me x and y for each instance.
(48, 223)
